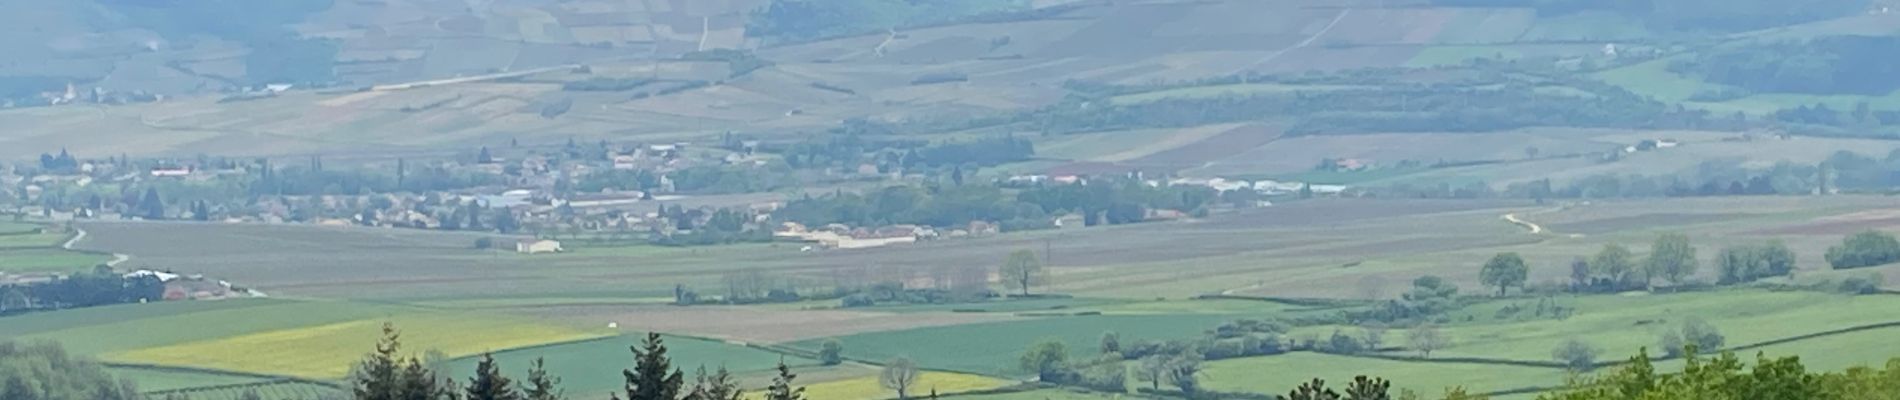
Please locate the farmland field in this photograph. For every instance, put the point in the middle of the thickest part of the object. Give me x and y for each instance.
(453, 334)
(157, 380)
(10, 227)
(33, 240)
(48, 260)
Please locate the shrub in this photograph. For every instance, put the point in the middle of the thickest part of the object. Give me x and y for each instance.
(1576, 355)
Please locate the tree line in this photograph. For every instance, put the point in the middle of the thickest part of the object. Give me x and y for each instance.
(98, 287)
(1110, 201)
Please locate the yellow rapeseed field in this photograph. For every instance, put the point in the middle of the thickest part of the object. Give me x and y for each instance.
(328, 351)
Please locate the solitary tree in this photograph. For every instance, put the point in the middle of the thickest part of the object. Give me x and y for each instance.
(1022, 270)
(1045, 358)
(489, 383)
(1579, 274)
(1426, 338)
(1576, 355)
(1504, 271)
(1672, 258)
(653, 376)
(1616, 264)
(1703, 335)
(831, 352)
(898, 375)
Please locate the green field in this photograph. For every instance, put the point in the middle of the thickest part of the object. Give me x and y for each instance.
(11, 227)
(95, 333)
(48, 260)
(1281, 373)
(158, 380)
(594, 366)
(31, 240)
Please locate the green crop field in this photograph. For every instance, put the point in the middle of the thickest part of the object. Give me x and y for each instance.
(594, 366)
(31, 240)
(48, 260)
(158, 380)
(11, 227)
(29, 325)
(167, 329)
(1281, 373)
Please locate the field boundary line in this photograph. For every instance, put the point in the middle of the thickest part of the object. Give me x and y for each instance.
(541, 346)
(201, 389)
(209, 371)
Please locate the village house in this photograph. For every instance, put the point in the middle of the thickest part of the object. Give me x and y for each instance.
(538, 246)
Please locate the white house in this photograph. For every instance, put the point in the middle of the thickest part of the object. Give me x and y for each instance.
(538, 246)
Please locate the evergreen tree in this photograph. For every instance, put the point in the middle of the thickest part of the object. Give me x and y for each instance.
(489, 384)
(151, 206)
(541, 386)
(781, 388)
(377, 375)
(650, 378)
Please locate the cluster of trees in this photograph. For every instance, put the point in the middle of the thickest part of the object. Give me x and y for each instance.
(99, 287)
(1100, 202)
(44, 371)
(1865, 249)
(315, 180)
(1671, 257)
(1824, 65)
(1747, 263)
(849, 148)
(62, 162)
(386, 375)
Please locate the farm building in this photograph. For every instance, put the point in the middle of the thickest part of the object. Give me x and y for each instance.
(538, 246)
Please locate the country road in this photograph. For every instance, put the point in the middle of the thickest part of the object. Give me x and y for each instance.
(1533, 227)
(117, 258)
